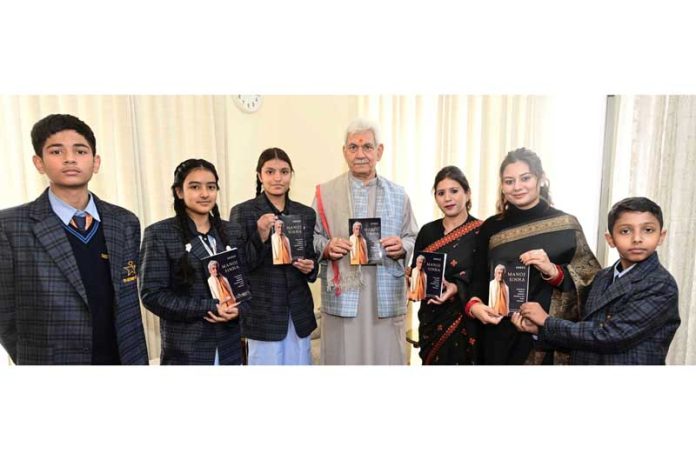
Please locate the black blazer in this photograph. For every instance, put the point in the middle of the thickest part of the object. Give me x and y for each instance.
(44, 314)
(277, 290)
(187, 338)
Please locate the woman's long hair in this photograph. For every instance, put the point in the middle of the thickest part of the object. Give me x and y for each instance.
(184, 273)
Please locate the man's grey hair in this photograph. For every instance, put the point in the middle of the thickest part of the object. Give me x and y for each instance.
(360, 125)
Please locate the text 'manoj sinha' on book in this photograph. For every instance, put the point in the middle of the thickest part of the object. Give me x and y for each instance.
(427, 276)
(364, 239)
(225, 278)
(509, 286)
(287, 239)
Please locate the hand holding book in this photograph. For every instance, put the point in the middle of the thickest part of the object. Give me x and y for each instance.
(530, 318)
(523, 324)
(337, 248)
(534, 312)
(540, 260)
(393, 247)
(224, 313)
(304, 265)
(485, 314)
(450, 290)
(264, 225)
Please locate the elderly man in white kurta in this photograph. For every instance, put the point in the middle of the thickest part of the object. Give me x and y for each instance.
(363, 307)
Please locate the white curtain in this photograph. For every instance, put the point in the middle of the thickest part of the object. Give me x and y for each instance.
(422, 134)
(653, 154)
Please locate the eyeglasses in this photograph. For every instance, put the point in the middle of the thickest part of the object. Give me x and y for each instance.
(366, 148)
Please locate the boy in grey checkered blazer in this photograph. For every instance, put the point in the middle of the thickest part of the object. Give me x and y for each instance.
(68, 290)
(632, 311)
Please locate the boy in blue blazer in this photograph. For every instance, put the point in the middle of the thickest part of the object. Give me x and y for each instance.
(632, 310)
(68, 289)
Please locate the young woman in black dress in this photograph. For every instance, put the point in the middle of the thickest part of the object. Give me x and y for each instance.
(530, 230)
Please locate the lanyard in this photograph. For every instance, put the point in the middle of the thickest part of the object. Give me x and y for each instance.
(212, 249)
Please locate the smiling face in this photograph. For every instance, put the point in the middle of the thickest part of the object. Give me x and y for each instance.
(275, 177)
(362, 155)
(67, 160)
(278, 227)
(213, 269)
(636, 235)
(520, 186)
(199, 191)
(419, 262)
(451, 198)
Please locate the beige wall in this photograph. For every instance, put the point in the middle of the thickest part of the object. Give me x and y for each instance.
(309, 128)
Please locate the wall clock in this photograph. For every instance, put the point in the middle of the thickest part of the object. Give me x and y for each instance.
(247, 103)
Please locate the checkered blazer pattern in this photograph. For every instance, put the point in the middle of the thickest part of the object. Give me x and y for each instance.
(44, 315)
(628, 321)
(277, 290)
(187, 338)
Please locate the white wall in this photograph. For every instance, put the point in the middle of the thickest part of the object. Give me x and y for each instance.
(573, 158)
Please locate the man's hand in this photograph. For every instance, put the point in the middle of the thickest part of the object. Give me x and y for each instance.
(393, 247)
(337, 248)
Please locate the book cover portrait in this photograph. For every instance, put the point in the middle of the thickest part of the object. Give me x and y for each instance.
(226, 281)
(364, 239)
(509, 287)
(287, 239)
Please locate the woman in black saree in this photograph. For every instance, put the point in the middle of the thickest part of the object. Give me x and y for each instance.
(446, 335)
(529, 230)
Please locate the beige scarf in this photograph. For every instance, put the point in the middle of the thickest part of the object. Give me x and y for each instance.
(335, 206)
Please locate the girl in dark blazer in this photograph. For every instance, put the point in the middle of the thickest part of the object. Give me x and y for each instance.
(280, 319)
(195, 328)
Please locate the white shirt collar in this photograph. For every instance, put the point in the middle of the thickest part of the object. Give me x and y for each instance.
(621, 273)
(65, 212)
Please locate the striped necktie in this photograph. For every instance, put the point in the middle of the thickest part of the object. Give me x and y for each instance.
(82, 223)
